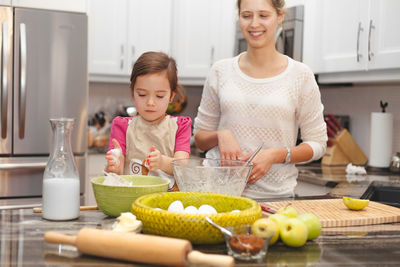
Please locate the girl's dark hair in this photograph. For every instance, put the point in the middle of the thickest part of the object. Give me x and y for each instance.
(279, 5)
(153, 62)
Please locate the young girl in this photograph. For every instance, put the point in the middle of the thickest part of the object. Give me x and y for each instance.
(148, 142)
(262, 96)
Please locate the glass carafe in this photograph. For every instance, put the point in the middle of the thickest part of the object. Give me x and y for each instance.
(61, 179)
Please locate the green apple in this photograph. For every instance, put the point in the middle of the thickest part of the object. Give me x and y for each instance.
(313, 225)
(288, 211)
(266, 228)
(293, 232)
(278, 218)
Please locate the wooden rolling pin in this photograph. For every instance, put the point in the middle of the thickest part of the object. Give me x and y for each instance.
(39, 210)
(138, 248)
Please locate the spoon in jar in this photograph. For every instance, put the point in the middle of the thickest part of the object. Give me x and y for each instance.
(227, 233)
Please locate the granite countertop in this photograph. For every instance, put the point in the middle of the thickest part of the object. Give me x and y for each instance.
(22, 244)
(343, 184)
(22, 233)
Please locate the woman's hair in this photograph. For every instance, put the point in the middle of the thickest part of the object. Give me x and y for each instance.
(279, 5)
(153, 62)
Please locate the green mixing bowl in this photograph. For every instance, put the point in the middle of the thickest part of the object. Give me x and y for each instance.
(113, 200)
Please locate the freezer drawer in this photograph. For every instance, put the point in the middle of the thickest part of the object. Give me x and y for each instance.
(23, 177)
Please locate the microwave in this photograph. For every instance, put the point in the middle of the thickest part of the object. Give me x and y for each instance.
(288, 38)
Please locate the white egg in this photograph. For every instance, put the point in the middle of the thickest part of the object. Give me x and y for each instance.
(191, 210)
(176, 206)
(207, 209)
(235, 211)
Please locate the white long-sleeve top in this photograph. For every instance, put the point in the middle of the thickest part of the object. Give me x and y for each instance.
(269, 110)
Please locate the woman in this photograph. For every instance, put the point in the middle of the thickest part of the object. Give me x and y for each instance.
(262, 96)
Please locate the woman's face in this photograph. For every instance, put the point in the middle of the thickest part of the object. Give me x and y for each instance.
(258, 21)
(152, 94)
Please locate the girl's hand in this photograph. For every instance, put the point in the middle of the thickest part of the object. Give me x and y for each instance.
(154, 159)
(228, 146)
(262, 162)
(115, 159)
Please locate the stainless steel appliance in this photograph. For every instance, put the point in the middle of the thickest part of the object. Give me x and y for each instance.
(289, 37)
(43, 75)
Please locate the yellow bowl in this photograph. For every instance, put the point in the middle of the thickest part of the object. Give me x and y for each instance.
(113, 200)
(193, 227)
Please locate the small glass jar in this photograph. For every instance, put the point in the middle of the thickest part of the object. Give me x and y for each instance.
(61, 185)
(245, 245)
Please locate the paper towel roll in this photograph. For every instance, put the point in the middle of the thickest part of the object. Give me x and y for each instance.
(381, 139)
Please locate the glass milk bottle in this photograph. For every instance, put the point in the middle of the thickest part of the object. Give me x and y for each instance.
(61, 179)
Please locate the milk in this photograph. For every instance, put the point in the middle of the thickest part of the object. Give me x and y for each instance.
(61, 198)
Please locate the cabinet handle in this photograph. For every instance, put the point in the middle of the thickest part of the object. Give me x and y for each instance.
(360, 29)
(17, 166)
(22, 78)
(370, 53)
(121, 65)
(4, 80)
(212, 56)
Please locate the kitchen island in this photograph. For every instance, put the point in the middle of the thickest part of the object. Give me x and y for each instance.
(22, 233)
(22, 244)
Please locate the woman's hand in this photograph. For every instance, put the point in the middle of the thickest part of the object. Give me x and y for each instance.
(228, 146)
(262, 162)
(115, 159)
(154, 159)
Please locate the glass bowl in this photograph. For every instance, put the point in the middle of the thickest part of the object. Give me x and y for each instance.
(245, 245)
(211, 175)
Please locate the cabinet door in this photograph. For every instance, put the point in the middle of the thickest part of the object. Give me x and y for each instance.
(384, 36)
(108, 37)
(344, 32)
(149, 27)
(198, 31)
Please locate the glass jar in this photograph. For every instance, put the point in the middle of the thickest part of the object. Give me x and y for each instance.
(61, 185)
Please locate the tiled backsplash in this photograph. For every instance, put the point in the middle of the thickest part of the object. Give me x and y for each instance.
(357, 101)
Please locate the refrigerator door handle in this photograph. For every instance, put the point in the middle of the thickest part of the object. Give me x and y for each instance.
(4, 79)
(22, 77)
(11, 166)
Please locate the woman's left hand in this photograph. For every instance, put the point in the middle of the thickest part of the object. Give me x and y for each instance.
(262, 162)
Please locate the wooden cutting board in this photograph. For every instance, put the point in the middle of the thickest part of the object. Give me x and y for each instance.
(333, 213)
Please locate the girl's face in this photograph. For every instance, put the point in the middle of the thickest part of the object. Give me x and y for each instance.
(152, 94)
(258, 21)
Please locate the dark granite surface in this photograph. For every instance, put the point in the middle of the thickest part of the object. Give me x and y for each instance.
(22, 233)
(343, 184)
(22, 244)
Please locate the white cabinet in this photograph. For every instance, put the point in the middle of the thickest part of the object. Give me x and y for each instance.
(108, 29)
(195, 32)
(121, 30)
(62, 5)
(384, 24)
(149, 25)
(354, 36)
(204, 32)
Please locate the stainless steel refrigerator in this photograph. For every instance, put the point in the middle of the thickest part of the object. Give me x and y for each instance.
(43, 75)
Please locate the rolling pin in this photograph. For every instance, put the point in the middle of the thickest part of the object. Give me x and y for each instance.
(138, 248)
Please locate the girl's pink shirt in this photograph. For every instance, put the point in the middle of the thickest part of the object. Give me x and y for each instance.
(182, 139)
